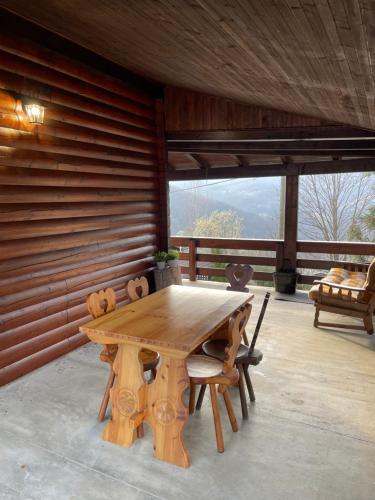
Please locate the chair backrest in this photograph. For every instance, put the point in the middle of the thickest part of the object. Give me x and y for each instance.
(101, 302)
(237, 325)
(370, 278)
(259, 322)
(368, 296)
(137, 288)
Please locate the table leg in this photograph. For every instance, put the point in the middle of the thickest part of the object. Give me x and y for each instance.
(167, 412)
(128, 397)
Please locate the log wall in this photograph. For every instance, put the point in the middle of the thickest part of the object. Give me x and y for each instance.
(187, 110)
(80, 198)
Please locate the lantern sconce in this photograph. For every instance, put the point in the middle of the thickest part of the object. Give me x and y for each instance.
(35, 112)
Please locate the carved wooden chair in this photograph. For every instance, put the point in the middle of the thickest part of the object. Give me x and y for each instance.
(353, 295)
(137, 289)
(246, 356)
(104, 302)
(207, 370)
(98, 304)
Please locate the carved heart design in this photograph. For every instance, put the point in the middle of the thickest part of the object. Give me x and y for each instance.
(238, 276)
(104, 305)
(101, 302)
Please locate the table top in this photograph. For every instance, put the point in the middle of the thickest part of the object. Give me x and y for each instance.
(174, 320)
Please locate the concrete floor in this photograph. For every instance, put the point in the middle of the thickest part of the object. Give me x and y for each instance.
(310, 435)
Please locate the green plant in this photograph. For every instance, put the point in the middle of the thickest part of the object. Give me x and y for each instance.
(173, 255)
(160, 256)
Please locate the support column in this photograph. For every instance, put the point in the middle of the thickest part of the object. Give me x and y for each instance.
(162, 156)
(291, 223)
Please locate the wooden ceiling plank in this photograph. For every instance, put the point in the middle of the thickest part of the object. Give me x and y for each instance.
(304, 56)
(328, 13)
(295, 17)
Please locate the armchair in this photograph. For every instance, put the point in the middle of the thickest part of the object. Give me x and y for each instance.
(349, 293)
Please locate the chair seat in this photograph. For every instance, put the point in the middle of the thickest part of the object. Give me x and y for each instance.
(216, 349)
(200, 366)
(148, 358)
(108, 353)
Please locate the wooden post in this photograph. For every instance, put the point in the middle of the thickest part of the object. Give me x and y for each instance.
(192, 260)
(279, 256)
(291, 223)
(163, 182)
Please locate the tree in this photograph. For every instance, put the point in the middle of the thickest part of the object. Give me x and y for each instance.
(369, 221)
(333, 207)
(332, 204)
(219, 224)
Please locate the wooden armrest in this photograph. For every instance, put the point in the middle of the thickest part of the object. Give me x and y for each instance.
(342, 287)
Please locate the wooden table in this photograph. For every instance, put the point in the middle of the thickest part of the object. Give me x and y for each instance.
(173, 321)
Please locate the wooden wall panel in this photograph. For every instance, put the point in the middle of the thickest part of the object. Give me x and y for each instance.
(187, 110)
(80, 199)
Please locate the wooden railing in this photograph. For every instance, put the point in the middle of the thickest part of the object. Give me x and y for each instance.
(342, 248)
(196, 259)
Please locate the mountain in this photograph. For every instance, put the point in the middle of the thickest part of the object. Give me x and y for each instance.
(256, 201)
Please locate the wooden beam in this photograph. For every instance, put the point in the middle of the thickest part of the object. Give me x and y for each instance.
(243, 161)
(328, 147)
(291, 133)
(349, 153)
(202, 163)
(301, 168)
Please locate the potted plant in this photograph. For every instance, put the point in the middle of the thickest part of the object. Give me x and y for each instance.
(172, 258)
(285, 279)
(161, 258)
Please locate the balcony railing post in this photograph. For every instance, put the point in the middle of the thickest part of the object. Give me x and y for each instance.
(192, 260)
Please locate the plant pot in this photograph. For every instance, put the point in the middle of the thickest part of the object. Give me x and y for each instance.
(161, 265)
(285, 282)
(172, 263)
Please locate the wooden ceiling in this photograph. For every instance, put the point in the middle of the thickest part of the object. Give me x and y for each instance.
(312, 57)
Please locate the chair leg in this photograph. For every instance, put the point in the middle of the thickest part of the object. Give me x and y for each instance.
(104, 404)
(229, 406)
(200, 397)
(241, 387)
(140, 431)
(248, 383)
(369, 327)
(316, 319)
(217, 420)
(192, 399)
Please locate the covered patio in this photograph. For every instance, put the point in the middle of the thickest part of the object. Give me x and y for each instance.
(310, 434)
(102, 106)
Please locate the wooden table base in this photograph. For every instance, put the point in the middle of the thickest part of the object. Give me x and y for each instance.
(160, 404)
(128, 397)
(167, 413)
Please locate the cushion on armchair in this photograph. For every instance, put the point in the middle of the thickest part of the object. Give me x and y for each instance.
(340, 276)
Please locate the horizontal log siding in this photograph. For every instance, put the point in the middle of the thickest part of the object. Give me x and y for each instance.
(79, 199)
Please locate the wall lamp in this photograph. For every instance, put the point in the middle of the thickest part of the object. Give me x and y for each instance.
(35, 112)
